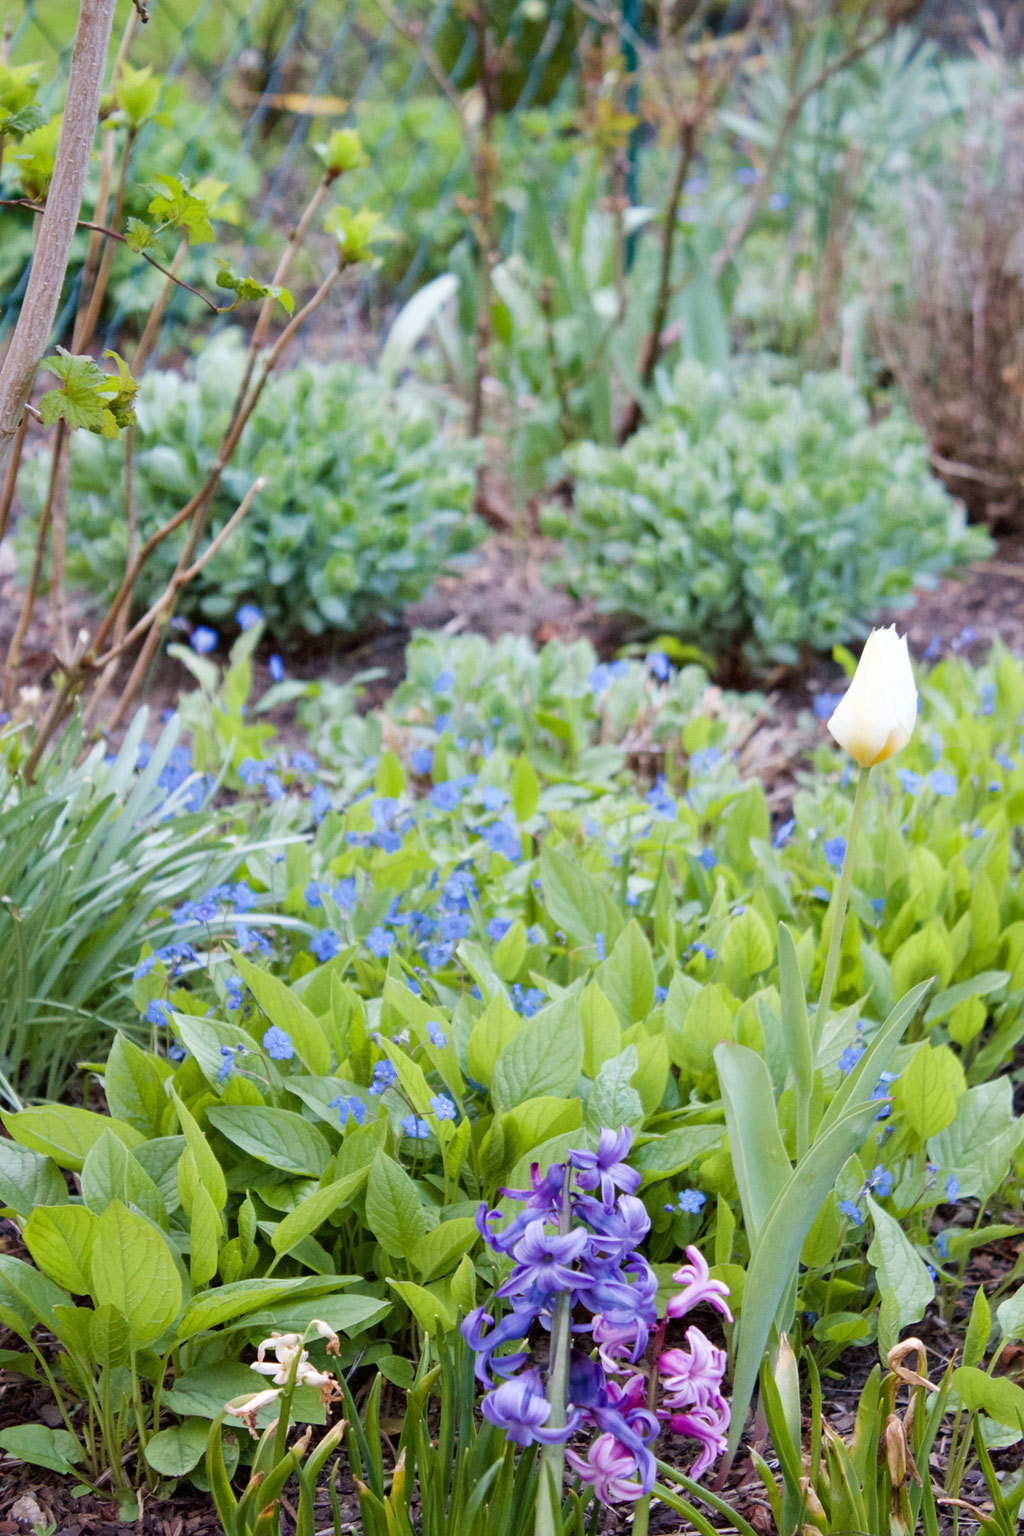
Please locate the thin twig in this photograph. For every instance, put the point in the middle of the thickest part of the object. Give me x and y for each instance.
(11, 476)
(112, 234)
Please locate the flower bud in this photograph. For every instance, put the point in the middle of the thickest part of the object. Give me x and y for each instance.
(875, 717)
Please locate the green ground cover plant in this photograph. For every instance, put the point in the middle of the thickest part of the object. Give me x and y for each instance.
(759, 518)
(366, 495)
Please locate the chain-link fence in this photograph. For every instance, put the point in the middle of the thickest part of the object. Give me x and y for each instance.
(252, 87)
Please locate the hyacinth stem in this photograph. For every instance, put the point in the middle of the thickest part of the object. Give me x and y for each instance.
(828, 980)
(552, 1457)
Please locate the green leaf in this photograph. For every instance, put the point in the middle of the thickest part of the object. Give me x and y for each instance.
(427, 1308)
(535, 1121)
(497, 1025)
(311, 1213)
(279, 1137)
(979, 1328)
(627, 977)
(997, 1396)
(545, 1057)
(393, 1211)
(176, 207)
(1010, 1315)
(438, 1250)
(602, 1034)
(246, 289)
(351, 1314)
(525, 788)
(110, 1172)
(575, 901)
(283, 1008)
(928, 1089)
(205, 1232)
(612, 1101)
(662, 1157)
(65, 1132)
(510, 952)
(795, 1027)
(209, 1170)
(243, 1297)
(54, 1449)
(759, 1158)
(174, 1452)
(79, 401)
(776, 1249)
(133, 1270)
(133, 1082)
(900, 1267)
(60, 1240)
(28, 1179)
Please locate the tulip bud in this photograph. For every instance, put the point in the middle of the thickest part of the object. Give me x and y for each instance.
(875, 717)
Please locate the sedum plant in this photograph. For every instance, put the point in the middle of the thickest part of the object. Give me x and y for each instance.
(758, 518)
(365, 496)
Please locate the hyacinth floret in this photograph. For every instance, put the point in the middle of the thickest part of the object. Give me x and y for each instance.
(577, 1236)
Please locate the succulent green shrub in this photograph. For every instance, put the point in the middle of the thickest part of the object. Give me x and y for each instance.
(772, 518)
(366, 495)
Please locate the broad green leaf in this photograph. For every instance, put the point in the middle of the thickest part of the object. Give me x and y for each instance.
(133, 1270)
(28, 1293)
(627, 976)
(284, 1009)
(110, 1172)
(1010, 1315)
(979, 1329)
(535, 1121)
(209, 1170)
(510, 952)
(662, 1157)
(350, 1313)
(133, 1081)
(612, 1101)
(60, 1239)
(428, 1309)
(54, 1449)
(438, 1250)
(28, 1179)
(602, 1034)
(279, 1137)
(900, 1267)
(393, 1211)
(311, 1213)
(243, 1297)
(997, 1396)
(65, 1132)
(575, 901)
(205, 1232)
(928, 1089)
(545, 1057)
(525, 788)
(175, 1451)
(492, 1031)
(202, 1393)
(693, 1038)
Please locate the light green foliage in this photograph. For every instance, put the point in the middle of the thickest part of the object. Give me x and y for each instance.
(365, 499)
(759, 517)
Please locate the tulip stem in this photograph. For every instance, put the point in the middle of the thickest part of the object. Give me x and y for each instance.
(841, 900)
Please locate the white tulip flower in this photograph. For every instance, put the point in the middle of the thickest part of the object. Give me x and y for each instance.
(875, 717)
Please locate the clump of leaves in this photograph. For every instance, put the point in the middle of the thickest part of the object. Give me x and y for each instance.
(759, 517)
(365, 496)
